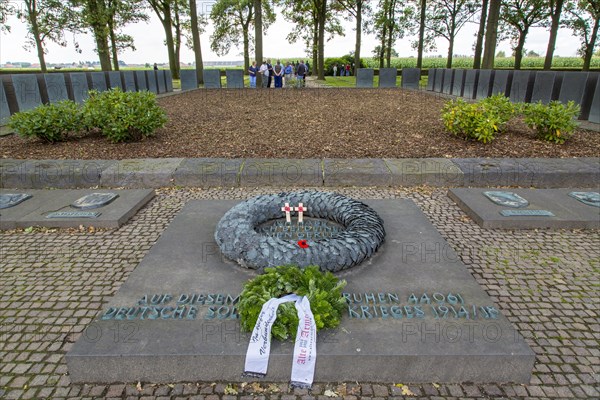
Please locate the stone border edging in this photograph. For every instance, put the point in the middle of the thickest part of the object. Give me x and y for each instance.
(221, 172)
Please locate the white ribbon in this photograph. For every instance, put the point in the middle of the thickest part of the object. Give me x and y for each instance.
(305, 348)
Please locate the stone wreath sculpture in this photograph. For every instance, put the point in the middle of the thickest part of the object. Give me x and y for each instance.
(240, 241)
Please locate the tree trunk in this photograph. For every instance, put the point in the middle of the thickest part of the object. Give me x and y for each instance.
(177, 43)
(113, 46)
(589, 51)
(35, 31)
(480, 34)
(321, 52)
(100, 33)
(315, 43)
(390, 38)
(491, 34)
(450, 51)
(519, 49)
(196, 42)
(358, 34)
(553, 34)
(382, 46)
(258, 38)
(422, 33)
(167, 26)
(246, 49)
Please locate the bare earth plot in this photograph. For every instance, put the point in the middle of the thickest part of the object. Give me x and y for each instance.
(310, 123)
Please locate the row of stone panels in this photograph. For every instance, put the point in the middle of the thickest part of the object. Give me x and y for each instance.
(22, 92)
(522, 86)
(212, 79)
(210, 172)
(387, 77)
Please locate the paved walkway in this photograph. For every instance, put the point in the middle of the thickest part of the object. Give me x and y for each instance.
(55, 282)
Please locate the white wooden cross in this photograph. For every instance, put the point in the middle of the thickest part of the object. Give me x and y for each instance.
(300, 209)
(287, 210)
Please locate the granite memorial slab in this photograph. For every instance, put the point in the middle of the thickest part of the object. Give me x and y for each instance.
(448, 81)
(212, 79)
(458, 82)
(411, 78)
(419, 310)
(168, 81)
(387, 77)
(234, 78)
(352, 172)
(56, 87)
(141, 80)
(208, 172)
(128, 78)
(594, 114)
(54, 208)
(160, 80)
(543, 87)
(114, 79)
(79, 86)
(151, 80)
(27, 91)
(484, 83)
(98, 81)
(470, 85)
(140, 173)
(4, 109)
(573, 87)
(547, 208)
(423, 171)
(189, 79)
(521, 87)
(281, 172)
(430, 78)
(364, 77)
(502, 82)
(438, 83)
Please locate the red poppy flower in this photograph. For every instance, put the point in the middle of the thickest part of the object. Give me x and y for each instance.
(303, 244)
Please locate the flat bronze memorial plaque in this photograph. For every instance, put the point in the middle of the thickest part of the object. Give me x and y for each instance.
(8, 200)
(526, 213)
(74, 214)
(589, 198)
(94, 200)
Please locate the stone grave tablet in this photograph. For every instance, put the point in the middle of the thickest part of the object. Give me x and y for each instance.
(573, 87)
(178, 308)
(458, 82)
(212, 79)
(72, 208)
(438, 83)
(114, 79)
(543, 87)
(470, 85)
(234, 78)
(128, 78)
(484, 83)
(79, 86)
(594, 115)
(27, 91)
(8, 200)
(502, 81)
(4, 110)
(56, 87)
(168, 81)
(522, 86)
(448, 81)
(98, 81)
(140, 80)
(364, 77)
(160, 79)
(189, 79)
(548, 208)
(387, 77)
(589, 198)
(430, 78)
(411, 77)
(151, 81)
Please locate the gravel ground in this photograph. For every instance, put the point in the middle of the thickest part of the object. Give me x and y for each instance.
(55, 282)
(309, 123)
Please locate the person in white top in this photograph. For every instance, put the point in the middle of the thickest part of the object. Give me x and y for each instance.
(264, 71)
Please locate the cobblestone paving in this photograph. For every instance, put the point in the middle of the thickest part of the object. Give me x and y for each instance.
(53, 283)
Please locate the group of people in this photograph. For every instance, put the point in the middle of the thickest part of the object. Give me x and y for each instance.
(278, 73)
(345, 70)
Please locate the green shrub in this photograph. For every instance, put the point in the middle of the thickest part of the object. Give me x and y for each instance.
(123, 116)
(471, 120)
(49, 122)
(501, 106)
(322, 289)
(554, 122)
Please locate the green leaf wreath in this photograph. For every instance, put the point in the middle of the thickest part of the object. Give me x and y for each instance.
(324, 291)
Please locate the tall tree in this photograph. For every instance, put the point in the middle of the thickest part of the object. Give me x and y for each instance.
(556, 7)
(480, 35)
(164, 11)
(391, 22)
(120, 13)
(356, 8)
(233, 20)
(517, 17)
(258, 37)
(46, 20)
(491, 34)
(195, 30)
(420, 45)
(93, 15)
(447, 18)
(584, 19)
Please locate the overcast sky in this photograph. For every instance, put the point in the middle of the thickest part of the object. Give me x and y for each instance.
(149, 38)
